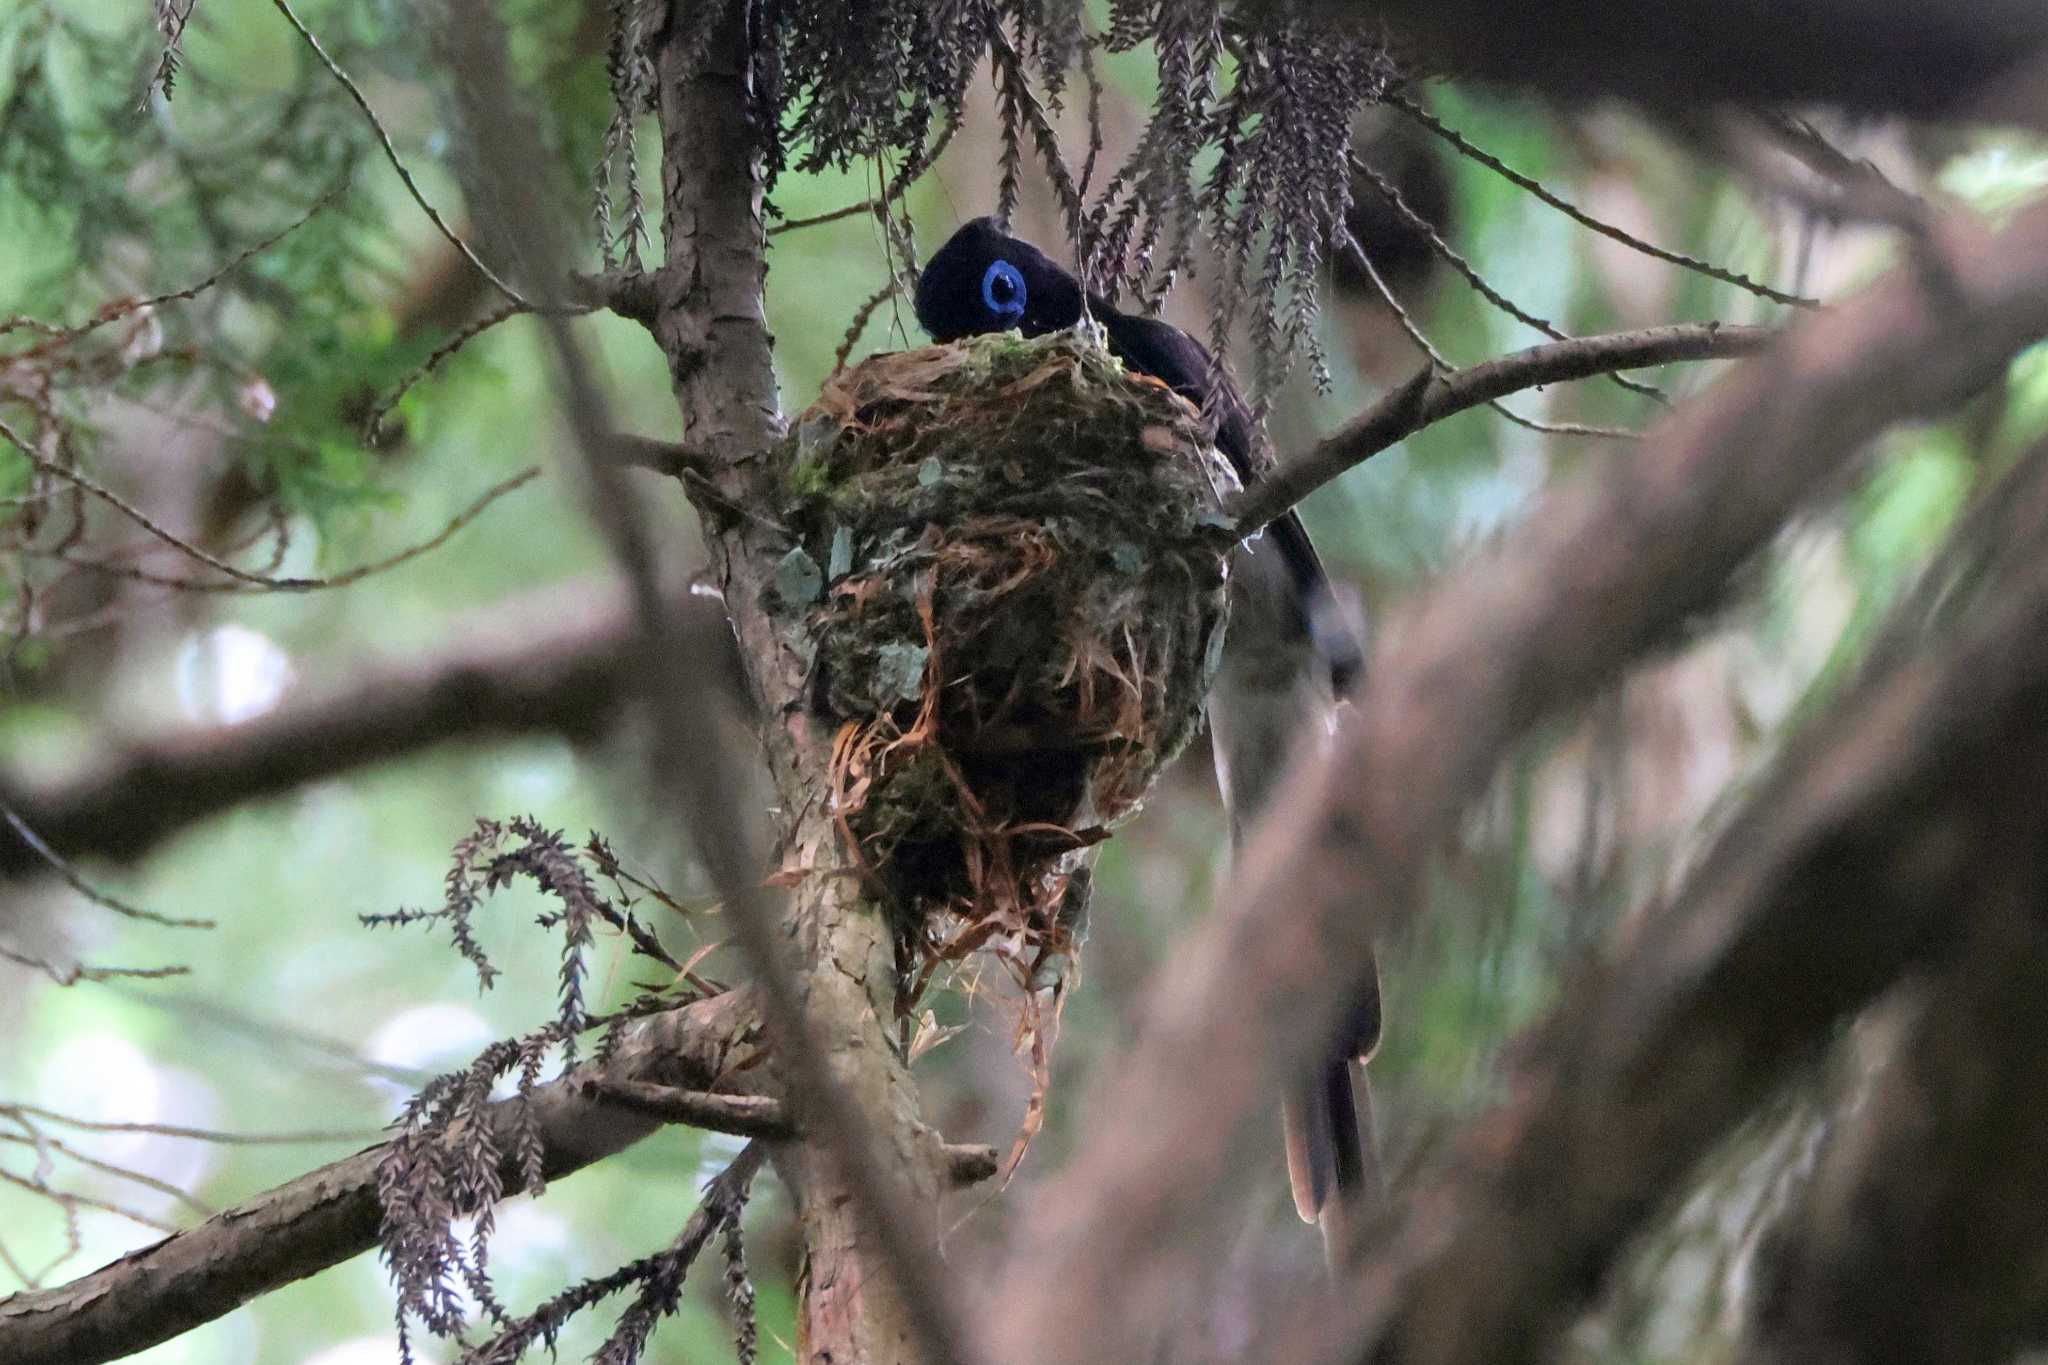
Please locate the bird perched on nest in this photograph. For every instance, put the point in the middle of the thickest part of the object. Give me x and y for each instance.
(1287, 656)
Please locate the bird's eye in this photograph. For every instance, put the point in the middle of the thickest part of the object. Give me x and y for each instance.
(1002, 289)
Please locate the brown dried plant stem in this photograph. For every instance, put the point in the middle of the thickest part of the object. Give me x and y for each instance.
(1601, 570)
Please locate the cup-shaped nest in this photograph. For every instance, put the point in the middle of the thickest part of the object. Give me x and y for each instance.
(1010, 582)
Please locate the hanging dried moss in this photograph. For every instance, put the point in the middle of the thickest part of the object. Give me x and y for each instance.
(1010, 582)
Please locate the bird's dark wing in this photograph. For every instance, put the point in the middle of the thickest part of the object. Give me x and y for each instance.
(1263, 703)
(1184, 364)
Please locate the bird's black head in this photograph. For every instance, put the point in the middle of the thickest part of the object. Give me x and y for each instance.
(984, 280)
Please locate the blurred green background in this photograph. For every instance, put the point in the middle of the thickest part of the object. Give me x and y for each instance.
(295, 1018)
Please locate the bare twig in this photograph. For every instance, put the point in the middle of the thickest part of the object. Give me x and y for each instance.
(1431, 396)
(904, 179)
(673, 458)
(1441, 363)
(70, 974)
(391, 154)
(121, 308)
(142, 1178)
(1580, 216)
(373, 425)
(170, 1130)
(71, 1199)
(860, 322)
(242, 580)
(1455, 259)
(63, 868)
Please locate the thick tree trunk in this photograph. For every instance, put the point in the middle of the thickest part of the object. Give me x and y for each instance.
(848, 1309)
(708, 316)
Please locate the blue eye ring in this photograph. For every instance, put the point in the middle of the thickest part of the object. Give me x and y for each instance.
(1002, 289)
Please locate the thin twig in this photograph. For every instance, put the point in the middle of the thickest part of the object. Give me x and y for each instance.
(1578, 215)
(905, 178)
(1452, 257)
(1441, 363)
(171, 1130)
(691, 465)
(860, 322)
(373, 425)
(242, 580)
(78, 883)
(122, 308)
(1432, 395)
(391, 154)
(72, 975)
(70, 1198)
(119, 1172)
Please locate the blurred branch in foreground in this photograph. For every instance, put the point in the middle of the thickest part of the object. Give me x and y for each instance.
(1601, 571)
(1904, 809)
(552, 661)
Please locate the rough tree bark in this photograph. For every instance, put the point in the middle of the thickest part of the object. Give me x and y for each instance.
(707, 313)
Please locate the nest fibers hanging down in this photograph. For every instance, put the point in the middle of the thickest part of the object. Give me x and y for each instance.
(1010, 580)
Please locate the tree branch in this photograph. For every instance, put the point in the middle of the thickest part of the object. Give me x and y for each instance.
(672, 458)
(751, 1116)
(761, 1116)
(1428, 398)
(1913, 57)
(874, 1291)
(1890, 834)
(326, 1217)
(516, 672)
(1602, 569)
(1935, 1179)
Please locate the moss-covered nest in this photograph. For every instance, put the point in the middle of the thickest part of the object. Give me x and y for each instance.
(1009, 577)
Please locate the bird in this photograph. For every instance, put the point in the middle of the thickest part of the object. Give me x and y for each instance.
(1288, 656)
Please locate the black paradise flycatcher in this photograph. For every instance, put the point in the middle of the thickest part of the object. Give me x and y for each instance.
(1286, 659)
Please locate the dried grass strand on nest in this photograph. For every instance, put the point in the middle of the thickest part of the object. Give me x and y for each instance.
(1009, 583)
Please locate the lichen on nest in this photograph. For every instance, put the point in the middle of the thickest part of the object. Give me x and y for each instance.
(1009, 580)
